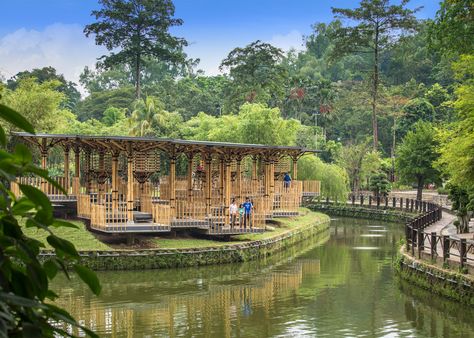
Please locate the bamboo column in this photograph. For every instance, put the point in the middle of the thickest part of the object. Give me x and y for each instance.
(227, 187)
(66, 169)
(266, 183)
(254, 175)
(238, 179)
(173, 185)
(190, 177)
(295, 168)
(100, 181)
(88, 168)
(130, 196)
(271, 183)
(44, 164)
(221, 179)
(208, 188)
(115, 180)
(77, 171)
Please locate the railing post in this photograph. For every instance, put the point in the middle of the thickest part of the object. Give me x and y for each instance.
(370, 201)
(416, 205)
(411, 205)
(424, 206)
(378, 202)
(462, 252)
(386, 201)
(446, 245)
(401, 203)
(394, 202)
(407, 204)
(353, 199)
(413, 240)
(327, 199)
(420, 241)
(433, 244)
(361, 199)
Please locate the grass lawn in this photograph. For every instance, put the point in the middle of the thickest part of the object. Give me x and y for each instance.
(85, 240)
(81, 238)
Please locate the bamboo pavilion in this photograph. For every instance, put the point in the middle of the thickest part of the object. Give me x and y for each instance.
(145, 184)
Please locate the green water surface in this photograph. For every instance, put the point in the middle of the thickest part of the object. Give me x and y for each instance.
(341, 284)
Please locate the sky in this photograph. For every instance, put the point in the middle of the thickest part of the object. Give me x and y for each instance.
(38, 33)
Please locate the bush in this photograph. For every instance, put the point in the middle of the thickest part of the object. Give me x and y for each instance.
(334, 180)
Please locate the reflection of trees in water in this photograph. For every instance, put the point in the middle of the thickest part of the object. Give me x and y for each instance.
(176, 302)
(436, 316)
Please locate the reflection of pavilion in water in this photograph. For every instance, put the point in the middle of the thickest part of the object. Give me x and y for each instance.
(219, 309)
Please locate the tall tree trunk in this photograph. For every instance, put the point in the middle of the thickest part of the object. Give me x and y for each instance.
(137, 78)
(419, 188)
(375, 87)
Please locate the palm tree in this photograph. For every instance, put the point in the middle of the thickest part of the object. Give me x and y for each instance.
(146, 116)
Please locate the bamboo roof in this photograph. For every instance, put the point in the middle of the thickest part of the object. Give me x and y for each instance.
(170, 146)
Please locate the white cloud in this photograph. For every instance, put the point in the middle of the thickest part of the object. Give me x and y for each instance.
(62, 46)
(293, 39)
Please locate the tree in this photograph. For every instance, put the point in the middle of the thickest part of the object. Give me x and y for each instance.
(379, 184)
(334, 180)
(415, 110)
(351, 158)
(453, 28)
(256, 73)
(378, 23)
(26, 308)
(145, 116)
(94, 105)
(48, 74)
(416, 156)
(139, 29)
(39, 102)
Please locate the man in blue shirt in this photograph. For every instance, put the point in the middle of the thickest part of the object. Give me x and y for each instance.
(248, 206)
(286, 180)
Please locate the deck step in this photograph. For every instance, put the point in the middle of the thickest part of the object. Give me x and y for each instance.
(142, 217)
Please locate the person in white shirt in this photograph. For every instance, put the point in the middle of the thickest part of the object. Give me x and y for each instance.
(233, 211)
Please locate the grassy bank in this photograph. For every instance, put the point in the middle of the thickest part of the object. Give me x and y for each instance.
(86, 241)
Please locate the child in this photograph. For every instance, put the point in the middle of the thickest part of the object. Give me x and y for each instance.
(241, 214)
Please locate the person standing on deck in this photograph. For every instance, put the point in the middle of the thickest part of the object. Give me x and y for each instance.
(248, 206)
(233, 209)
(286, 181)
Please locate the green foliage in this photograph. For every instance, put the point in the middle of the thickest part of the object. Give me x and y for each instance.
(334, 180)
(379, 184)
(25, 295)
(415, 110)
(38, 102)
(256, 73)
(416, 156)
(377, 22)
(139, 29)
(94, 105)
(46, 74)
(453, 28)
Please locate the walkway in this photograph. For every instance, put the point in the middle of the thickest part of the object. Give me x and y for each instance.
(445, 227)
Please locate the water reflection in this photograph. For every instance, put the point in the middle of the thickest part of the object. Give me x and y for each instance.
(323, 288)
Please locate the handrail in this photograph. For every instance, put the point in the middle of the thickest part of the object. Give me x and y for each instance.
(417, 240)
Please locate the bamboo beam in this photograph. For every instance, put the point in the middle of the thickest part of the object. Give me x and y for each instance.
(271, 183)
(130, 196)
(88, 166)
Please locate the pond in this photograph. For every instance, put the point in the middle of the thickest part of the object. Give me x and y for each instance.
(340, 285)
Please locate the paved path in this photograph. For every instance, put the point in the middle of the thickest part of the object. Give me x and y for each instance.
(446, 227)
